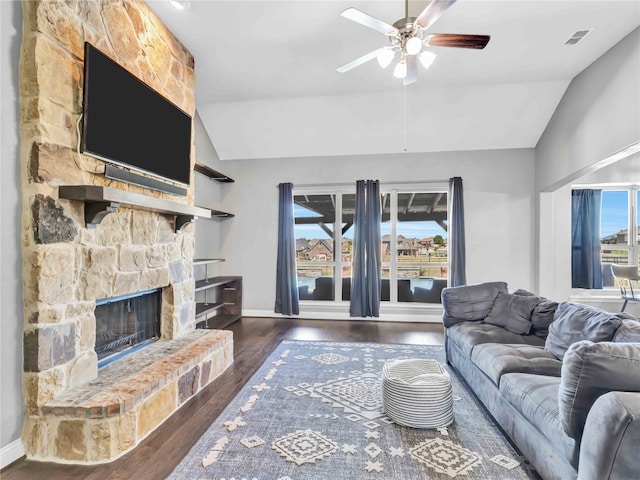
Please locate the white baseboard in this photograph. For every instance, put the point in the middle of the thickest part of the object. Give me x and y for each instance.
(11, 452)
(321, 314)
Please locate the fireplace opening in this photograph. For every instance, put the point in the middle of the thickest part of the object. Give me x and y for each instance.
(126, 323)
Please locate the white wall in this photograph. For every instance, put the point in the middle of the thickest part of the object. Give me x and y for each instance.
(469, 117)
(554, 244)
(208, 193)
(11, 324)
(598, 116)
(499, 210)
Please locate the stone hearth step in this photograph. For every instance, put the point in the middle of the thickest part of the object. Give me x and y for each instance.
(103, 419)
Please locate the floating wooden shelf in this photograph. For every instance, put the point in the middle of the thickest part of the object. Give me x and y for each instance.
(202, 308)
(211, 173)
(217, 322)
(218, 214)
(101, 201)
(213, 282)
(206, 261)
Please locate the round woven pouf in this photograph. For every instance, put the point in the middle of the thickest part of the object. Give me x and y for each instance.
(417, 393)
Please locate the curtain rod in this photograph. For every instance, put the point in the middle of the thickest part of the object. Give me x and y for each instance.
(352, 184)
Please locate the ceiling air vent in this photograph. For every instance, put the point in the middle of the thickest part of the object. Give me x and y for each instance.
(579, 35)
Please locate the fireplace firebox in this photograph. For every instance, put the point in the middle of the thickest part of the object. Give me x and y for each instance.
(126, 323)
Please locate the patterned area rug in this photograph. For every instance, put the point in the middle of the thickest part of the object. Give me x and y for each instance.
(314, 411)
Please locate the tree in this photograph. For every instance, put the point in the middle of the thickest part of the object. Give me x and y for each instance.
(438, 240)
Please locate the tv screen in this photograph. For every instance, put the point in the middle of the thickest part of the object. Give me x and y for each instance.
(128, 123)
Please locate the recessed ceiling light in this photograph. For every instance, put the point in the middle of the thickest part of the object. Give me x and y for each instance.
(180, 4)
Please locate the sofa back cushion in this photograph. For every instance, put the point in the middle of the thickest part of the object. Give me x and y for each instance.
(512, 312)
(574, 322)
(590, 370)
(469, 302)
(629, 331)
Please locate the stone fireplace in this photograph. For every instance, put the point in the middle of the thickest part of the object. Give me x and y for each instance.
(75, 413)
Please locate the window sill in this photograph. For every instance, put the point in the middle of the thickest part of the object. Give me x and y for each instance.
(605, 293)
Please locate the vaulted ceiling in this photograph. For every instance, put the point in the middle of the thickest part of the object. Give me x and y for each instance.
(267, 86)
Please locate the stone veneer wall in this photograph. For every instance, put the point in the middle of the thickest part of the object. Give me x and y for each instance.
(67, 266)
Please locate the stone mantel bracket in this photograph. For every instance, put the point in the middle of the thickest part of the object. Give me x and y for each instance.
(101, 201)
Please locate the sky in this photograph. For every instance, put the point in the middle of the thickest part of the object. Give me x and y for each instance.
(407, 229)
(615, 212)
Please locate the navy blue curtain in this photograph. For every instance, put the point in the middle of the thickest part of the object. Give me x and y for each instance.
(457, 274)
(586, 265)
(365, 272)
(287, 300)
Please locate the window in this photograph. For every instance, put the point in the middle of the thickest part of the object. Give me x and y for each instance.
(414, 243)
(619, 218)
(315, 220)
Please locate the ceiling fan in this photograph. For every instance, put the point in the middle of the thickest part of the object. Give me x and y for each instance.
(408, 37)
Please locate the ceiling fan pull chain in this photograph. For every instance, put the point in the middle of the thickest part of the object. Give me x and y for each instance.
(404, 117)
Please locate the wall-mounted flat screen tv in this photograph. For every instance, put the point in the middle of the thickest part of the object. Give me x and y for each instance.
(128, 123)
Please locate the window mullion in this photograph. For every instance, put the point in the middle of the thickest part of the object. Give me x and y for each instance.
(337, 249)
(393, 250)
(633, 226)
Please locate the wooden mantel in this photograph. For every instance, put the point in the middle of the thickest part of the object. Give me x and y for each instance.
(100, 201)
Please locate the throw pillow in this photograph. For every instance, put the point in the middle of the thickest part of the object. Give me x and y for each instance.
(512, 312)
(590, 370)
(524, 293)
(469, 303)
(574, 322)
(542, 314)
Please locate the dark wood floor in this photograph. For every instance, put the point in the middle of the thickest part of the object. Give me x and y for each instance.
(254, 340)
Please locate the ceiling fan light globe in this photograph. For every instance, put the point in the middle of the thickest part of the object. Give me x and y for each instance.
(413, 46)
(180, 4)
(401, 70)
(426, 58)
(385, 57)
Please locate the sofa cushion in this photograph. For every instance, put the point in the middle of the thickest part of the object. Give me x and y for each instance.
(496, 359)
(469, 302)
(512, 312)
(618, 414)
(542, 314)
(590, 370)
(536, 398)
(629, 331)
(469, 334)
(574, 322)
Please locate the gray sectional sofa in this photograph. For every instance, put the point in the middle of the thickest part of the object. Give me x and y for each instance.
(562, 380)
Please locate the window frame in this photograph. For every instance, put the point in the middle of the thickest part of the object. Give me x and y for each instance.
(393, 189)
(633, 245)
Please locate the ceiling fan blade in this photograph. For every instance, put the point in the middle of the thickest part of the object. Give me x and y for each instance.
(457, 40)
(433, 11)
(412, 70)
(369, 21)
(360, 60)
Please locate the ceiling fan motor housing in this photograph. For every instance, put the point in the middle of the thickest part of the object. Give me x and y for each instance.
(406, 30)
